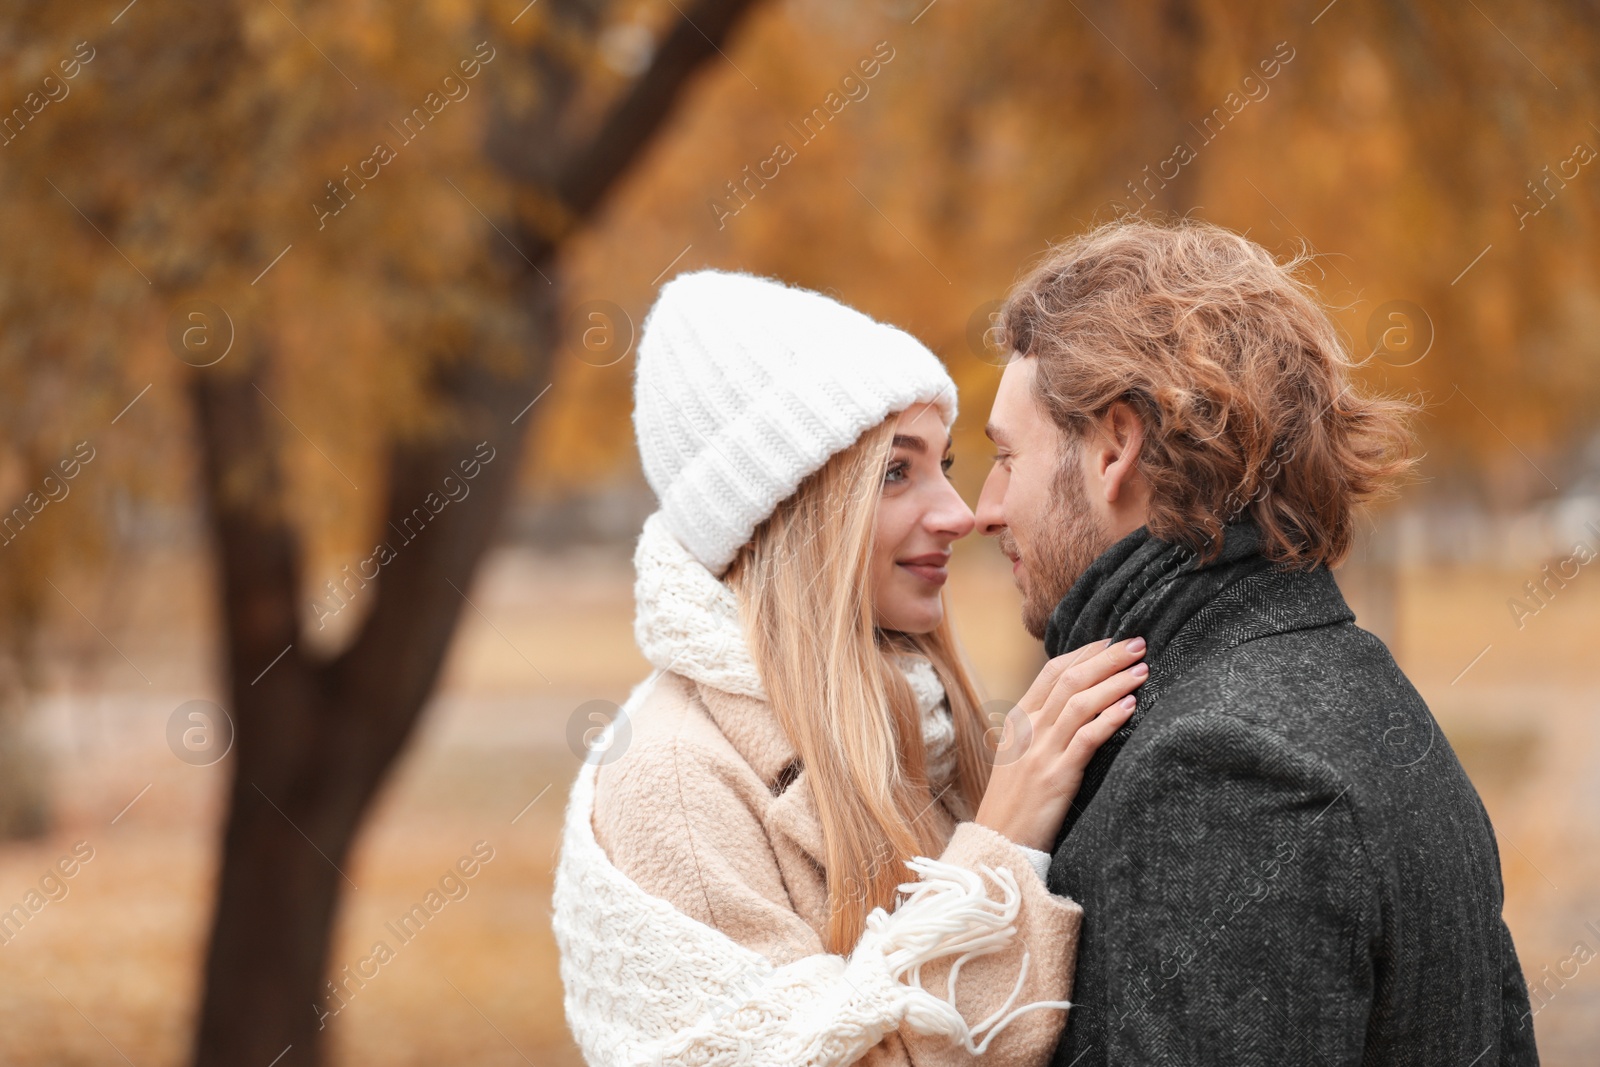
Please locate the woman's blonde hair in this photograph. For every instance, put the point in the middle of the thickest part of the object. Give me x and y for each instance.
(803, 583)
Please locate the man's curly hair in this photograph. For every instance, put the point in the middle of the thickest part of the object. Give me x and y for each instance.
(1236, 370)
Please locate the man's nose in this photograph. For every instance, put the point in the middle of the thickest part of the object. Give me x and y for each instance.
(990, 516)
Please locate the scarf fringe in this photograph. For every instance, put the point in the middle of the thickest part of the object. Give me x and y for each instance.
(826, 1010)
(948, 911)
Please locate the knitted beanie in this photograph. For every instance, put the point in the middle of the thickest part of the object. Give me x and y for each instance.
(746, 385)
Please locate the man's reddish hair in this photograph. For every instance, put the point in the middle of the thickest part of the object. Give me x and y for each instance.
(1236, 370)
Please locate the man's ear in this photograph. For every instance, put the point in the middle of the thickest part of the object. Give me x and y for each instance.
(1116, 450)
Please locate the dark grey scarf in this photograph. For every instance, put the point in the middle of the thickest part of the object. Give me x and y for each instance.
(1143, 586)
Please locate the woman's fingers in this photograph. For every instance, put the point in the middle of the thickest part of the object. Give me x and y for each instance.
(1098, 730)
(1016, 737)
(1050, 674)
(1037, 693)
(1039, 754)
(1086, 741)
(1084, 676)
(1083, 652)
(1083, 706)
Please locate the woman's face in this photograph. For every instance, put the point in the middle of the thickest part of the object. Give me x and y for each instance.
(920, 515)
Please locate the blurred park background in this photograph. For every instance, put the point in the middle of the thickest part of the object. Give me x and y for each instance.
(282, 283)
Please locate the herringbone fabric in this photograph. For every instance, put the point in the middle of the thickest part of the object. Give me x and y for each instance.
(1280, 859)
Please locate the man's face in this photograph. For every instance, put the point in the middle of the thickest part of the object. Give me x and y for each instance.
(1035, 501)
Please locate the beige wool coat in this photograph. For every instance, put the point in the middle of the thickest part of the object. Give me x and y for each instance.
(696, 811)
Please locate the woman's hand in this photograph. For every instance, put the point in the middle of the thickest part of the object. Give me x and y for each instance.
(1078, 701)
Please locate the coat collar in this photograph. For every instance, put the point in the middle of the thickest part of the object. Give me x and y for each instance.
(751, 727)
(1187, 612)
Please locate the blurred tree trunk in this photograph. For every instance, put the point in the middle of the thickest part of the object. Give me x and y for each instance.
(25, 809)
(315, 738)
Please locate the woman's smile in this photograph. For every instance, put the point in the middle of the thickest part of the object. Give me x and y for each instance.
(930, 567)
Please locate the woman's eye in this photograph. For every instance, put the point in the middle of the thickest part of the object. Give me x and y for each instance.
(946, 463)
(896, 472)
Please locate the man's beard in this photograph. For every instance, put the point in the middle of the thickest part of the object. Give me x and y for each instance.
(1070, 539)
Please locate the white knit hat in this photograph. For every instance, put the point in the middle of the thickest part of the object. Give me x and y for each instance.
(746, 385)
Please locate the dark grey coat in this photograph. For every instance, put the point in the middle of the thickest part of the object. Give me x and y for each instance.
(1280, 860)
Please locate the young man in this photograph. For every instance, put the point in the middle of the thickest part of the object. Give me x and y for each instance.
(1279, 858)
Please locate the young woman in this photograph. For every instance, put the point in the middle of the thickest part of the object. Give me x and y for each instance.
(797, 844)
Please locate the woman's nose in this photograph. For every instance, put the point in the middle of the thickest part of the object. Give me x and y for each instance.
(950, 515)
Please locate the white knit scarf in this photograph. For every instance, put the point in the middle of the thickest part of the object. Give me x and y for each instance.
(647, 984)
(687, 621)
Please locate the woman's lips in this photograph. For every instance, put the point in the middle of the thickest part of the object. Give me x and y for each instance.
(928, 572)
(930, 568)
